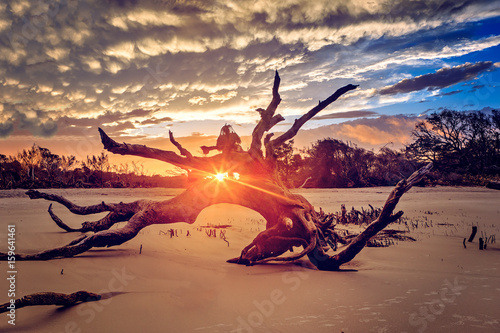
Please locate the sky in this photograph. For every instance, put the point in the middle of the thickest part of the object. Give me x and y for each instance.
(141, 68)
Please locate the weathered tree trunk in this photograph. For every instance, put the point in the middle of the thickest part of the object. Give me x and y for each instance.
(291, 219)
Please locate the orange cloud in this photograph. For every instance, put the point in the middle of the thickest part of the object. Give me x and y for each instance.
(365, 134)
(369, 133)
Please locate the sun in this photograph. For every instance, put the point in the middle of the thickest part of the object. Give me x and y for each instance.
(220, 176)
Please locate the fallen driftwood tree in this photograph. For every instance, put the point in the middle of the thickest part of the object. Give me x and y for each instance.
(246, 178)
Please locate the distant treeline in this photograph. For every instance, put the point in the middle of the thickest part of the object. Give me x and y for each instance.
(38, 167)
(332, 163)
(464, 147)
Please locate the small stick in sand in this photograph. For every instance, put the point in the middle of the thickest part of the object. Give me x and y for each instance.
(473, 234)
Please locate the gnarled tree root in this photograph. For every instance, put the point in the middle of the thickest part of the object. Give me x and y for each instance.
(117, 212)
(332, 263)
(104, 238)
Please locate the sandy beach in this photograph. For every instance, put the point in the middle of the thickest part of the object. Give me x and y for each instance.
(183, 283)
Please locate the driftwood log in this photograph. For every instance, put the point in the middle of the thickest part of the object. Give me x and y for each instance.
(251, 180)
(494, 185)
(50, 298)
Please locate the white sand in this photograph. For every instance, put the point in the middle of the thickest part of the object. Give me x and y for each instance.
(183, 284)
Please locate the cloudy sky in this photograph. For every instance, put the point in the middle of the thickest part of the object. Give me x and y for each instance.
(141, 68)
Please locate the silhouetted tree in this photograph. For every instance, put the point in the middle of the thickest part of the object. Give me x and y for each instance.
(10, 171)
(390, 165)
(460, 142)
(290, 165)
(50, 168)
(38, 167)
(30, 160)
(334, 163)
(97, 165)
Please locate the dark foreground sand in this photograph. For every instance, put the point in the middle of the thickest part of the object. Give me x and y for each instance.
(183, 284)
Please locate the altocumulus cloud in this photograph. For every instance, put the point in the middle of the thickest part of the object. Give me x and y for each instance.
(40, 125)
(442, 78)
(346, 114)
(372, 133)
(6, 128)
(69, 66)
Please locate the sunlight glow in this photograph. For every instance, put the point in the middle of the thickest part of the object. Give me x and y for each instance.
(221, 176)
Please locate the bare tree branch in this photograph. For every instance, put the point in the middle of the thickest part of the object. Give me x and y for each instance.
(118, 215)
(267, 119)
(143, 151)
(230, 161)
(183, 151)
(302, 120)
(187, 163)
(75, 209)
(59, 222)
(324, 262)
